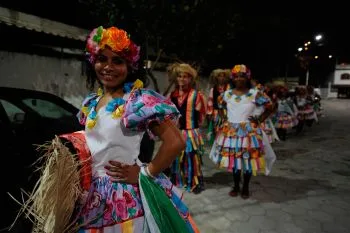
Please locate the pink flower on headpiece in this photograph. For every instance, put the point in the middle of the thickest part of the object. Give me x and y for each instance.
(92, 45)
(134, 54)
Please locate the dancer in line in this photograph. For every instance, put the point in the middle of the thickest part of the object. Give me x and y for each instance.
(187, 168)
(220, 80)
(240, 146)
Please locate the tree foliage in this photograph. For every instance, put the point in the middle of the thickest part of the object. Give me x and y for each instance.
(211, 33)
(188, 29)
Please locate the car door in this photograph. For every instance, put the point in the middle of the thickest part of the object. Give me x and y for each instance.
(13, 173)
(19, 151)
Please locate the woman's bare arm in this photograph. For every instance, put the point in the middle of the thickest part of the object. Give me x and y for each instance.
(172, 145)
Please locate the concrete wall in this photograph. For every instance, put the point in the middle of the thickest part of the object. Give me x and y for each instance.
(61, 77)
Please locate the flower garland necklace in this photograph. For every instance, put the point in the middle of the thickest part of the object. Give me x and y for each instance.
(238, 98)
(115, 106)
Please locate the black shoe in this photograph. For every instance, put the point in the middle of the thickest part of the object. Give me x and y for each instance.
(245, 193)
(234, 192)
(197, 189)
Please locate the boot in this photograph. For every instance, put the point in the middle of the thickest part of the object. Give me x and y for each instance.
(197, 190)
(300, 127)
(245, 191)
(309, 123)
(201, 182)
(200, 187)
(236, 179)
(280, 133)
(283, 134)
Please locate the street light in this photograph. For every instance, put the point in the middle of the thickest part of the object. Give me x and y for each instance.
(330, 56)
(300, 49)
(318, 37)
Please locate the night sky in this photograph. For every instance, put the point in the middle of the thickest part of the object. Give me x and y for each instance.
(266, 40)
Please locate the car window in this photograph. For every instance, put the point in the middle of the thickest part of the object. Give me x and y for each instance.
(47, 108)
(11, 110)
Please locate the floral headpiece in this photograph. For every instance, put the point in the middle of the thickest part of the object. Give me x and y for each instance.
(117, 40)
(241, 71)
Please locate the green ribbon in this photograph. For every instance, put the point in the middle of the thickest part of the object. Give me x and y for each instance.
(159, 209)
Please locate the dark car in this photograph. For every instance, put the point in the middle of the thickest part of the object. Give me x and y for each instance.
(27, 119)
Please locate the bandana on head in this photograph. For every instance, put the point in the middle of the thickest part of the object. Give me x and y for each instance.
(117, 40)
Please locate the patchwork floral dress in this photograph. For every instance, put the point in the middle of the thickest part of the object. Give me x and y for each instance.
(241, 144)
(114, 132)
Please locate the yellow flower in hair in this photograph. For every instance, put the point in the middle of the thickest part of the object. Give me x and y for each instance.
(90, 123)
(236, 69)
(138, 84)
(99, 92)
(118, 112)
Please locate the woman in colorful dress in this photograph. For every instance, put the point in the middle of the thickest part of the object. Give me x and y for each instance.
(306, 113)
(187, 168)
(285, 117)
(240, 146)
(314, 100)
(219, 79)
(113, 191)
(267, 125)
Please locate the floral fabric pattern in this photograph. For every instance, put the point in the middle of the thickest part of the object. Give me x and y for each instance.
(146, 106)
(110, 203)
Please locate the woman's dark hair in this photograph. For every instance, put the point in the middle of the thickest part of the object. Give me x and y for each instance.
(133, 75)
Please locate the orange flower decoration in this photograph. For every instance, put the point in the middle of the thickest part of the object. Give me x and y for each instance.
(240, 69)
(117, 39)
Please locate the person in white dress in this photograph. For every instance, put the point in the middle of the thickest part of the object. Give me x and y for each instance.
(105, 188)
(241, 145)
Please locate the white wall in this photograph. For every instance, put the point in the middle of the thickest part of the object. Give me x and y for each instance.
(61, 77)
(162, 81)
(337, 77)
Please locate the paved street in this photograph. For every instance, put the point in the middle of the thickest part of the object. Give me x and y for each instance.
(307, 191)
